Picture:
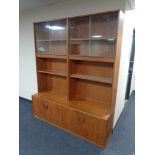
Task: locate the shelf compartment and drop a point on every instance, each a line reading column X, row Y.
column 53, row 73
column 79, row 47
column 55, row 65
column 79, row 27
column 48, row 82
column 91, row 58
column 104, row 25
column 90, row 90
column 97, row 109
column 93, row 71
column 94, row 78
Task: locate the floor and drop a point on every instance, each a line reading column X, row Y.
column 40, row 138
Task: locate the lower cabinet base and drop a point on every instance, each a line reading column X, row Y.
column 90, row 128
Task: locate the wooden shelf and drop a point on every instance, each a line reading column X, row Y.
column 91, row 58
column 97, row 109
column 53, row 96
column 94, row 39
column 94, row 78
column 53, row 73
column 51, row 56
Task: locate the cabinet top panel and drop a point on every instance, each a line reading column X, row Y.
column 89, row 14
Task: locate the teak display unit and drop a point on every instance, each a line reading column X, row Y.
column 77, row 63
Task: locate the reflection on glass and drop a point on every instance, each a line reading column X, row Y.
column 51, row 37
column 93, row 35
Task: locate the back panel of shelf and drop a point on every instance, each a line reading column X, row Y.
column 48, row 82
column 91, row 68
column 90, row 90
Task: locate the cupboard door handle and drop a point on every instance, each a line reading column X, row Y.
column 83, row 121
column 45, row 107
column 79, row 119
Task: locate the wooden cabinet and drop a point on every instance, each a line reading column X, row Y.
column 77, row 63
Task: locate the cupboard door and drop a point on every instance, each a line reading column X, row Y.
column 83, row 124
column 89, row 127
column 47, row 110
column 40, row 108
column 67, row 118
column 100, row 131
column 55, row 113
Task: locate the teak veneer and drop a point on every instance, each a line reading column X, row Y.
column 77, row 63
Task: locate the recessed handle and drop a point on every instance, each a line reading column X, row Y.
column 45, row 107
column 81, row 120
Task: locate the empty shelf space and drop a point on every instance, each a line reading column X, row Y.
column 53, row 73
column 91, row 58
column 92, row 107
column 92, row 78
column 53, row 96
column 51, row 56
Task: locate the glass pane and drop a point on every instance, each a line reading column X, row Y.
column 104, row 26
column 79, row 35
column 51, row 37
column 79, row 28
column 42, row 33
column 103, row 35
column 42, row 47
column 80, row 47
column 58, row 37
column 58, row 47
column 42, row 37
column 57, row 30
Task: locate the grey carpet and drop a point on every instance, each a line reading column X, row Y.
column 40, row 138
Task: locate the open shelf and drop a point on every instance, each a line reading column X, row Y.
column 94, row 78
column 39, row 55
column 53, row 73
column 53, row 96
column 92, row 107
column 91, row 58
